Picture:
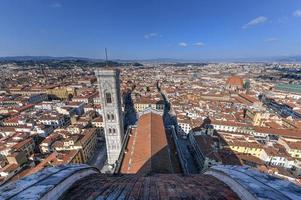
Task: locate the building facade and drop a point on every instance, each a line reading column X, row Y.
column 109, row 92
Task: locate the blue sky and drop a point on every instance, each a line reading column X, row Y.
column 144, row 29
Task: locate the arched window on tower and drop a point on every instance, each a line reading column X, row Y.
column 108, row 116
column 108, row 97
column 112, row 117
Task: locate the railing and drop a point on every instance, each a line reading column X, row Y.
column 200, row 157
column 183, row 161
column 121, row 155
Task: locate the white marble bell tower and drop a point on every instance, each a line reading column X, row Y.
column 109, row 92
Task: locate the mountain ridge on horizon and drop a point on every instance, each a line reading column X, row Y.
column 155, row 60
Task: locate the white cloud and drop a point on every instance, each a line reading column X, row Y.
column 151, row 35
column 183, row 44
column 297, row 13
column 199, row 44
column 254, row 22
column 56, row 5
column 272, row 39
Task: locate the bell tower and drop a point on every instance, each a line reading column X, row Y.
column 109, row 92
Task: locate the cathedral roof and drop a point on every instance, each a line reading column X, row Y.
column 147, row 149
column 156, row 186
column 84, row 182
column 235, row 81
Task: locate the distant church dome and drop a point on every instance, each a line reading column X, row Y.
column 235, row 82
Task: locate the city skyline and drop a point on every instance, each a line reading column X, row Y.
column 156, row 99
column 149, row 30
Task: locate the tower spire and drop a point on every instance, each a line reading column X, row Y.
column 106, row 57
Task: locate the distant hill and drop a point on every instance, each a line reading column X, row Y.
column 67, row 62
column 254, row 59
column 52, row 58
column 156, row 60
column 290, row 59
column 40, row 58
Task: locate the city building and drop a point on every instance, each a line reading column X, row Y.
column 235, row 83
column 148, row 148
column 291, row 88
column 109, row 91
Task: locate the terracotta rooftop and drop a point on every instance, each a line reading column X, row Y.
column 290, row 133
column 23, row 143
column 248, row 98
column 88, row 134
column 235, row 81
column 159, row 186
column 208, row 145
column 147, row 149
column 294, row 145
column 146, row 100
column 84, row 182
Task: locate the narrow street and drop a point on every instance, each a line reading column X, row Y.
column 130, row 115
column 100, row 156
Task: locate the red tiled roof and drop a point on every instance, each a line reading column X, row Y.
column 147, row 148
column 88, row 134
column 158, row 186
column 291, row 133
column 41, row 165
column 235, row 81
column 9, row 168
column 248, row 98
column 21, row 144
